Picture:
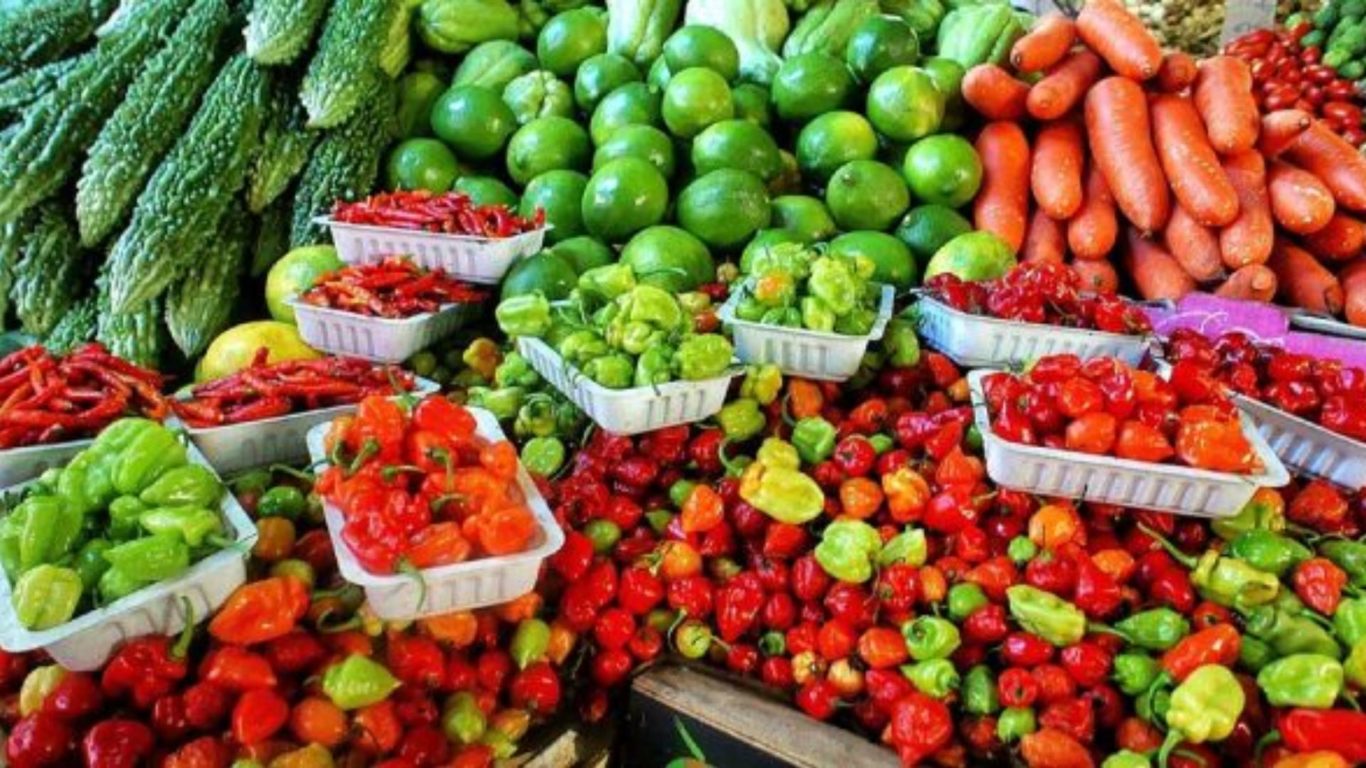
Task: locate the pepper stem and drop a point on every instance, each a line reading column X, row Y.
column 1269, row 738
column 408, row 569
column 393, row 470
column 1181, row 557
column 1174, row 739
column 367, row 449
column 726, row 462
column 182, row 644
column 297, row 474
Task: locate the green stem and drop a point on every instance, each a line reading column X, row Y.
column 1181, row 557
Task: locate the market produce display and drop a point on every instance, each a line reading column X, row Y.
column 393, row 288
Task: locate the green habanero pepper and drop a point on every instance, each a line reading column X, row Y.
column 649, row 304
column 1205, row 707
column 515, row 371
column 901, row 343
column 881, row 442
column 1046, row 615
column 694, row 302
column 614, row 371
column 151, row 558
column 1302, row 680
column 817, row 315
column 1015, row 723
column 46, row 596
column 116, row 583
column 935, row 678
column 1021, row 550
column 607, row 282
column 51, row 528
column 91, row 564
column 1156, row 629
column 462, row 719
column 1265, row 511
column 741, row 419
column 979, row 691
column 1288, row 633
column 543, row 455
column 529, row 642
column 524, row 315
column 1269, row 551
column 192, row 525
column 1223, row 580
column 908, row 547
column 680, row 491
column 1348, row 555
column 636, row 337
column 858, row 321
column 930, row 637
column 965, row 598
column 536, row 417
column 357, row 682
column 9, row 554
column 1134, row 672
column 151, row 454
column 750, row 309
column 502, row 403
column 281, row 501
column 1126, row 759
column 847, row 549
column 1153, row 706
column 655, row 366
column 703, row 356
column 123, row 517
column 253, row 481
column 762, row 382
column 789, row 258
column 814, row 439
column 788, row 317
column 191, row 485
column 1354, row 668
column 834, row 281
column 583, row 345
column 1254, row 654
column 1349, row 621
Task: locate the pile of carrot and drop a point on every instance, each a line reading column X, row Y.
column 1100, row 144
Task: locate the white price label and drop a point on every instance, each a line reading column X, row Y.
column 1243, row 16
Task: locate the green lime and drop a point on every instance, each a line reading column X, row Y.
column 972, row 256
column 766, row 238
column 878, row 44
column 569, row 39
column 294, row 273
column 737, row 144
column 538, row 94
column 943, row 169
column 585, row 252
column 630, row 104
column 695, row 99
column 546, row 144
column 696, row 45
column 417, row 92
column 947, row 75
column 601, row 75
column 904, row 104
column 421, row 164
column 832, row 140
column 643, row 141
column 810, row 84
column 623, row 197
column 560, row 194
column 751, row 103
column 805, row 215
column 547, row 272
column 926, row 228
column 485, row 190
column 724, row 208
column 473, row 120
column 866, row 194
column 669, row 258
column 892, row 260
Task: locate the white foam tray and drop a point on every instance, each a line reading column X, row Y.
column 628, row 411
column 88, row 640
column 462, row 586
column 232, row 448
column 978, row 341
column 801, row 352
column 1147, row 485
column 382, row 339
column 475, row 259
column 1307, row 447
column 20, row 464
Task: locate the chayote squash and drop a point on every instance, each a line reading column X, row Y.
column 757, row 27
column 923, row 16
column 827, row 27
column 538, row 94
column 494, row 64
column 637, row 29
column 456, row 26
column 977, row 34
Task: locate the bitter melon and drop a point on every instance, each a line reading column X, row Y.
column 142, row 128
column 285, row 144
column 47, row 277
column 137, row 335
column 11, row 247
column 345, row 71
column 40, row 31
column 279, row 30
column 191, row 189
column 199, row 304
column 39, row 158
column 28, row 86
column 76, row 327
column 272, row 236
column 343, row 166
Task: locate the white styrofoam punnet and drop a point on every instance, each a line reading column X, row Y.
column 465, row 257
column 20, row 464
column 628, row 411
column 801, row 352
column 280, row 440
column 87, row 641
column 978, row 341
column 471, row 584
column 1166, row 487
column 382, row 339
column 1307, row 447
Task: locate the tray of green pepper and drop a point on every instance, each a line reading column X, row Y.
column 136, row 535
column 624, row 352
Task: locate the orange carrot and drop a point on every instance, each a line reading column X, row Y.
column 1064, row 86
column 1299, row 201
column 1045, row 239
column 1280, row 129
column 1156, row 273
column 1092, row 233
column 1190, row 163
column 1055, row 175
column 1303, row 281
column 1096, row 275
column 1353, row 278
column 1341, row 240
column 1223, row 95
column 1002, row 204
column 1194, row 245
column 1248, row 239
column 1255, row 282
column 994, row 92
column 1177, row 72
column 1120, row 38
column 1326, row 155
column 1117, row 127
column 1045, row 45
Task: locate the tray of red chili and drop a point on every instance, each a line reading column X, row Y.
column 52, row 406
column 261, row 414
column 448, row 231
column 444, row 495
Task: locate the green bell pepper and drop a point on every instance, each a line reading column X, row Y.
column 357, row 682
column 91, row 563
column 635, row 337
column 847, row 549
column 279, row 501
column 51, row 527
column 762, row 382
column 1156, row 629
column 814, row 439
column 515, row 371
column 655, row 366
column 930, row 637
column 1269, row 551
column 908, row 547
column 1021, row 550
column 750, row 309
column 1135, row 672
column 979, row 691
column 964, row 599
column 123, row 517
column 817, row 315
column 935, row 678
column 543, row 455
column 524, row 315
column 741, row 419
column 1288, row 633
column 190, row 485
column 614, row 371
column 1046, row 615
column 151, row 558
column 192, row 525
column 1015, row 723
column 536, row 417
column 1354, row 668
column 46, row 596
column 1264, row 512
column 1254, row 653
column 703, row 356
column 1302, row 680
column 1205, row 707
column 116, row 583
column 783, row 317
column 153, row 452
column 901, row 343
column 607, row 282
column 834, row 281
column 583, row 345
column 1349, row 621
column 1348, row 555
column 856, row 322
column 656, row 306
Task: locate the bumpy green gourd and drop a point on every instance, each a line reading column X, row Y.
column 76, row 327
column 47, row 277
column 279, row 30
column 272, row 236
column 38, row 31
column 343, row 166
column 137, row 335
column 344, row 72
column 11, row 247
column 199, row 305
column 285, row 144
column 191, row 189
column 28, row 86
column 143, row 127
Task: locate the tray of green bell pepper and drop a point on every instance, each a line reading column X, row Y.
column 20, row 464
column 179, row 521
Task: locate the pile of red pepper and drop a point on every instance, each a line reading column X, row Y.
column 265, row 390
column 1040, row 292
column 423, row 490
column 1104, row 407
column 393, row 288
column 1318, row 389
column 449, row 213
column 47, row 399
